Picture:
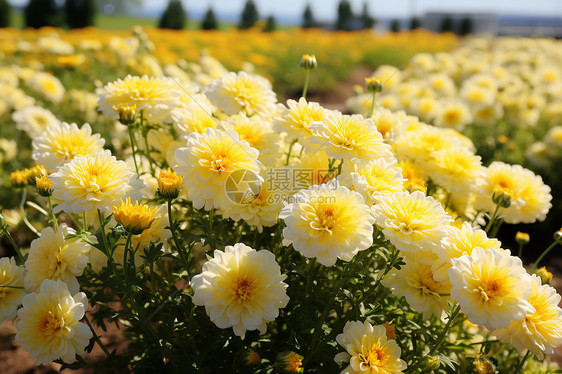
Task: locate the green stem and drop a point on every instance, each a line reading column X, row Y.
column 210, row 233
column 16, row 247
column 519, row 368
column 131, row 137
column 145, row 137
column 173, row 226
column 520, row 253
column 389, row 267
column 84, row 222
column 24, row 215
column 290, row 150
column 546, row 251
column 125, row 255
column 96, row 337
column 372, row 109
column 306, row 79
column 53, row 216
column 108, row 252
column 492, row 219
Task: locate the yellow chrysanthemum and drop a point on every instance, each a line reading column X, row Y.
column 296, row 119
column 48, row 86
column 350, row 137
column 491, row 286
column 387, row 123
column 327, row 222
column 134, row 217
column 196, row 116
column 541, row 330
column 416, row 282
column 452, row 114
column 51, row 256
column 241, row 288
column 368, row 350
column 11, row 288
column 155, row 96
column 411, row 221
column 34, row 120
column 62, row 142
column 169, row 184
column 462, row 241
column 530, row 197
column 241, row 92
column 94, row 182
column 456, row 169
column 207, row 162
column 49, row 323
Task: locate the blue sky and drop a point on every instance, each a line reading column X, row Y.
column 326, row 9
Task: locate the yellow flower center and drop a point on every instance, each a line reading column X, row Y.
column 52, row 325
column 373, row 356
column 326, row 217
column 56, row 265
column 244, row 289
column 490, row 289
column 220, row 163
column 452, row 117
column 430, row 285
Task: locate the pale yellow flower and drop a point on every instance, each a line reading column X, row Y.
column 134, row 217
column 51, row 256
column 349, row 137
column 48, row 86
column 94, row 182
column 462, row 241
column 456, row 169
column 34, row 120
column 327, row 222
column 491, row 286
column 49, row 323
column 296, row 119
column 62, row 142
column 196, row 116
column 452, row 114
column 207, row 162
column 241, row 92
column 11, row 277
column 241, row 288
column 541, row 330
column 368, row 350
column 411, row 221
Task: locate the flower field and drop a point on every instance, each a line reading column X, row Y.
column 180, row 188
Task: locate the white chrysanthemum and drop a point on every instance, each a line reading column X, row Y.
column 61, row 143
column 196, row 116
column 296, row 119
column 462, row 241
column 417, row 283
column 53, row 44
column 372, row 178
column 411, row 221
column 11, row 277
column 389, row 124
column 554, row 137
column 155, row 96
column 327, row 222
column 350, row 137
column 530, row 197
column 94, row 182
column 476, row 95
column 456, row 169
column 49, row 323
column 491, row 286
column 241, row 288
column 259, row 135
column 51, row 256
column 241, row 92
column 207, row 162
column 540, row 331
column 48, row 86
column 34, row 120
column 368, row 350
column 452, row 114
column 15, row 97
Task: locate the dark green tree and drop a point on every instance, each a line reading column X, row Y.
column 395, row 25
column 415, row 23
column 174, row 16
column 5, row 13
column 210, row 21
column 447, row 25
column 39, row 13
column 345, row 16
column 80, row 13
column 270, row 24
column 249, row 15
column 367, row 21
column 466, row 26
column 308, row 21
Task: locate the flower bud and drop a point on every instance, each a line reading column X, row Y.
column 19, row 177
column 431, row 363
column 502, row 199
column 127, row 114
column 34, row 172
column 522, row 238
column 308, row 62
column 289, row 362
column 373, row 84
column 484, row 366
column 558, row 235
column 135, row 218
column 43, row 186
column 169, row 184
column 545, row 275
column 390, row 333
column 252, row 358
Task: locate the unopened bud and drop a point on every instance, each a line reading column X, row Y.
column 19, row 177
column 252, row 358
column 373, row 84
column 390, row 333
column 522, row 238
column 289, row 362
column 545, row 275
column 169, row 184
column 558, row 235
column 482, row 365
column 43, row 186
column 431, row 363
column 127, row 114
column 502, row 199
column 34, row 172
column 308, row 62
